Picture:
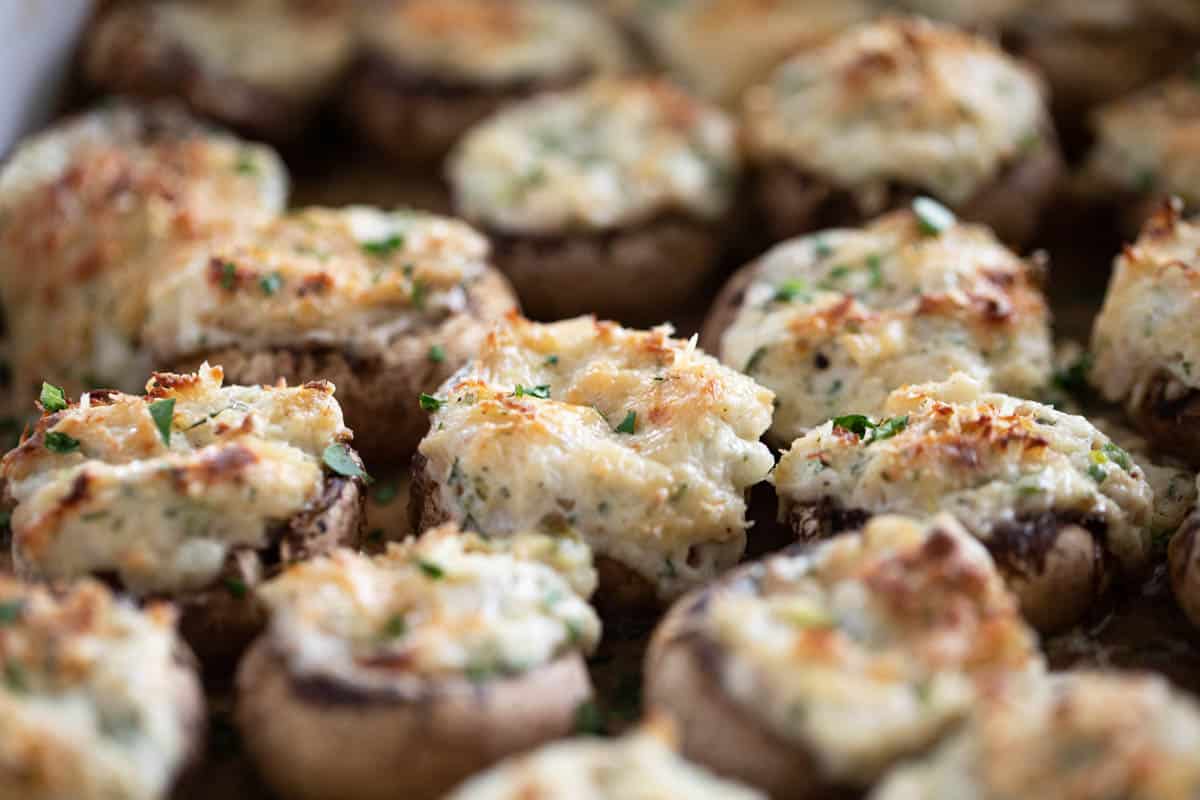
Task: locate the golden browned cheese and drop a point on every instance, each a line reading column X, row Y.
column 870, row 646
column 158, row 488
column 91, row 212
column 93, row 700
column 1073, row 736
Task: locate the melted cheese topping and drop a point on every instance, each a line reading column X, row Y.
column 639, row 766
column 719, row 47
column 1147, row 326
column 444, row 605
column 610, row 153
column 100, row 205
column 356, row 278
column 484, row 42
column 112, row 495
column 835, row 321
column 868, row 647
column 902, row 101
column 270, row 44
column 989, row 459
column 639, row 441
column 1076, row 736
column 88, row 700
column 1150, row 141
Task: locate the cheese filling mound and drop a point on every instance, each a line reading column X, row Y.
column 988, row 459
column 640, row 766
column 1149, row 142
column 720, row 47
column 447, row 605
column 1077, row 735
column 482, row 42
column 92, row 211
column 273, row 45
column 358, row 279
column 160, row 488
column 613, row 152
column 834, row 321
column 1146, row 329
column 640, row 442
column 90, row 696
column 900, row 101
column 868, row 647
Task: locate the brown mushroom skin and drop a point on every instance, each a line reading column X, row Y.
column 1168, row 414
column 1183, row 559
column 1057, row 567
column 793, row 202
column 323, row 741
column 683, row 679
column 379, row 400
column 638, row 274
column 413, row 116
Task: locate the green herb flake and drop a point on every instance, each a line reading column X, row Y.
column 395, row 627
column 436, row 354
column 11, row 610
column 589, row 719
column 431, row 570
column 629, row 424
column 53, row 398
column 790, row 290
column 875, row 268
column 340, row 460
column 1118, row 456
column 933, row 218
column 384, row 247
column 61, row 443
column 858, row 424
column 1097, row 473
column 889, row 428
column 418, row 293
column 237, row 587
column 541, row 391
column 229, row 276
column 1074, row 378
column 430, row 403
column 245, row 164
column 163, row 413
column 551, row 360
column 271, row 283
column 755, row 359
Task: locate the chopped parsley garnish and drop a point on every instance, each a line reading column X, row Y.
column 383, row 247
column 339, row 459
column 237, row 587
column 229, row 276
column 395, row 627
column 61, row 443
column 932, row 217
column 875, row 267
column 790, row 290
column 1118, row 456
column 755, row 359
column 430, row 403
column 589, row 719
column 245, row 164
column 436, row 354
column 862, row 427
column 629, row 424
column 551, row 360
column 10, row 611
column 270, row 284
column 1074, row 378
column 385, row 493
column 163, row 412
column 541, row 391
column 1097, row 473
column 431, row 570
column 53, row 398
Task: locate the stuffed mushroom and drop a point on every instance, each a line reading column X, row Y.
column 834, row 321
column 402, row 674
column 260, row 66
column 194, row 492
column 610, row 198
column 1062, row 508
column 891, row 109
column 91, row 211
column 1078, row 735
column 717, row 48
column 639, row 442
column 1145, row 343
column 810, row 673
column 99, row 700
column 385, row 304
column 429, row 69
column 640, row 764
column 1147, row 146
